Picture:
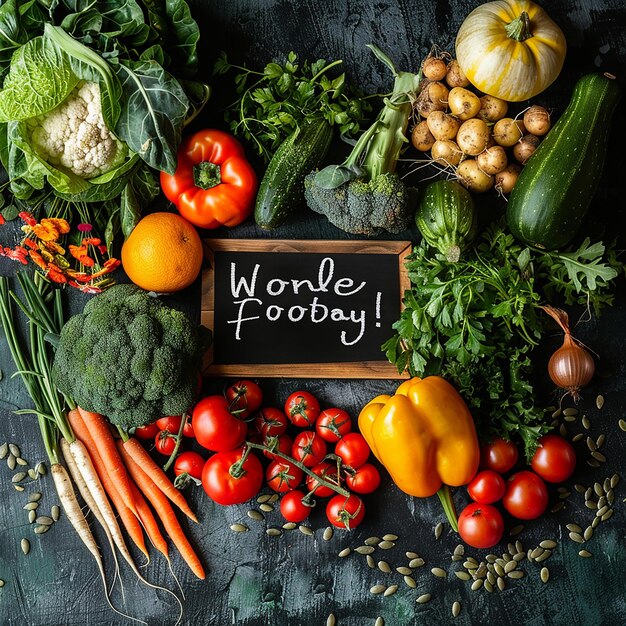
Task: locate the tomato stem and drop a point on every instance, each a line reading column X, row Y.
column 207, row 175
column 448, row 506
column 178, row 438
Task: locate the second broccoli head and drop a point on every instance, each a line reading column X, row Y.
column 130, row 357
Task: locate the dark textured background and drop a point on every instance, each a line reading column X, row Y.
column 297, row 580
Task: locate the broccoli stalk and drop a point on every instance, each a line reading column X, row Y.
column 364, row 195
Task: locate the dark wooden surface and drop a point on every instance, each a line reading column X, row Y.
column 296, row 580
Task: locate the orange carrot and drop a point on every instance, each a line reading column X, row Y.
column 141, row 457
column 100, row 433
column 164, row 510
column 149, row 522
column 130, row 521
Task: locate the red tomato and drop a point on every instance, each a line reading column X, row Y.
column 481, row 525
column 326, row 471
column 292, row 508
column 345, row 512
column 215, row 427
column 172, row 424
column 554, row 459
column 270, row 421
column 149, row 431
column 498, row 455
column 526, row 495
column 365, row 479
column 224, row 488
column 353, row 450
column 282, row 443
column 486, row 487
column 302, row 408
column 333, row 424
column 245, row 397
column 308, row 448
column 282, row 476
column 165, row 442
column 189, row 463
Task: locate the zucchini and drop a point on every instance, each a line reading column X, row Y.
column 446, row 218
column 553, row 192
column 281, row 192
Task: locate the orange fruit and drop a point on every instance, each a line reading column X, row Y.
column 163, row 253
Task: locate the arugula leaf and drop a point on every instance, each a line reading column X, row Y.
column 584, row 266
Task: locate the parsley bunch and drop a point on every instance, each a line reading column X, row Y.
column 477, row 321
column 272, row 103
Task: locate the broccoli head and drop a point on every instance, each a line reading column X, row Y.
column 130, row 357
column 365, row 207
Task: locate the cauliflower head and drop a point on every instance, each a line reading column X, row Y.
column 130, row 357
column 75, row 136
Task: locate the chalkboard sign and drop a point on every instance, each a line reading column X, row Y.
column 316, row 309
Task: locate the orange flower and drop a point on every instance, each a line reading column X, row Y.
column 77, row 251
column 2, row 220
column 52, row 246
column 37, row 259
column 27, row 218
column 58, row 223
column 17, row 254
column 56, row 276
column 31, row 243
column 92, row 241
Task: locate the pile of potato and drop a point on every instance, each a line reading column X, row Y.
column 470, row 134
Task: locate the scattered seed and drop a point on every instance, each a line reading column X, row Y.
column 570, row 411
column 600, row 402
column 606, row 484
column 239, row 528
column 477, row 584
column 19, row 477
column 520, row 556
column 30, row 506
column 548, row 544
column 535, row 552
column 31, row 516
column 542, row 557
column 372, row 541
column 390, row 537
column 591, row 444
column 255, row 515
column 383, row 566
column 328, row 533
column 516, row 530
column 44, row 520
column 600, row 512
column 456, row 609
column 557, row 507
column 488, row 586
column 570, row 418
column 370, row 561
column 439, row 572
column 417, row 562
column 602, row 502
column 273, row 498
column 459, row 550
column 377, row 589
column 491, row 558
column 577, row 437
column 1, row 583
column 511, row 549
column 610, row 496
column 565, row 494
column 289, row 525
column 595, row 521
column 456, row 558
column 544, row 574
column 600, row 440
column 18, row 488
column 470, row 565
column 20, row 461
column 379, row 622
column 588, row 493
column 614, row 480
column 306, row 530
column 41, row 469
column 412, row 555
column 606, row 516
column 405, row 571
column 11, row 462
column 481, row 572
column 364, row 550
column 266, row 508
column 274, row 532
column 386, row 545
column 516, row 574
column 598, row 456
column 14, row 450
column 591, row 504
column 575, row 528
column 410, row 582
column 262, row 499
column 557, row 414
column 330, row 620
column 622, row 424
column 585, row 553
column 34, row 497
column 510, row 567
column 577, row 537
column 585, row 422
column 563, row 430
column 25, row 545
column 499, row 570
column 462, row 575
column 4, row 450
column 593, row 462
column 588, row 533
column 32, row 474
column 424, row 598
column 438, row 530
column 345, row 552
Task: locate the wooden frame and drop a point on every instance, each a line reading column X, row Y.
column 366, row 369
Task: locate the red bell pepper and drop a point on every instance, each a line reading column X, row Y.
column 214, row 185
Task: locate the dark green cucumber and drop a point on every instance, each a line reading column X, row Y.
column 281, row 192
column 553, row 192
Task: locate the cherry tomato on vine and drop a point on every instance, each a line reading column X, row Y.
column 302, row 408
column 308, row 448
column 328, row 472
column 244, row 397
column 333, row 424
column 481, row 525
column 526, row 495
column 292, row 508
column 270, row 421
column 498, row 455
column 486, row 487
column 149, row 431
column 165, row 442
column 215, row 427
column 227, row 481
column 345, row 512
column 172, row 424
column 282, row 476
column 353, row 450
column 282, row 443
column 554, row 459
column 365, row 479
column 189, row 463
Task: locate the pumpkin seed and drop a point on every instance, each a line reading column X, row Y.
column 577, row 537
column 591, row 444
column 520, row 556
column 273, row 498
column 15, row 450
column 306, row 530
column 585, row 554
column 377, row 589
column 491, row 558
column 557, row 507
column 410, row 582
column 379, row 622
column 456, row 609
column 11, row 462
column 19, row 477
column 498, row 569
column 600, row 512
column 4, row 450
column 262, row 499
column 577, row 437
column 548, row 544
column 563, row 430
column 20, row 461
column 18, row 488
column 542, row 557
column 370, row 561
column 518, row 547
column 598, row 456
column 501, row 583
column 491, row 578
column 31, row 516
column 481, row 572
column 273, row 532
column 595, row 521
column 266, row 508
column 510, row 567
column 622, row 424
column 570, row 418
column 591, row 504
column 383, row 566
column 477, row 584
column 439, row 572
column 600, row 440
column 462, row 575
column 488, row 586
column 516, row 574
column 255, row 515
column 516, row 530
column 599, row 402
column 438, row 530
column 459, row 550
column 34, row 497
column 570, row 411
column 610, row 496
column 456, row 558
column 606, row 484
column 417, row 562
column 32, row 474
column 390, row 537
column 289, row 525
column 330, row 620
column 44, row 520
column 607, row 515
column 470, row 565
column 405, row 571
column 575, row 528
column 412, row 555
column 424, row 598
column 345, row 552
column 1, row 583
column 565, row 494
column 601, row 502
column 25, row 545
column 588, row 533
column 585, row 422
column 30, row 506
column 328, row 532
column 557, row 414
column 614, row 480
column 544, row 574
column 239, row 528
column 386, row 545
column 372, row 541
column 364, row 550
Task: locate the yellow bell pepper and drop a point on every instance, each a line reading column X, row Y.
column 425, row 437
